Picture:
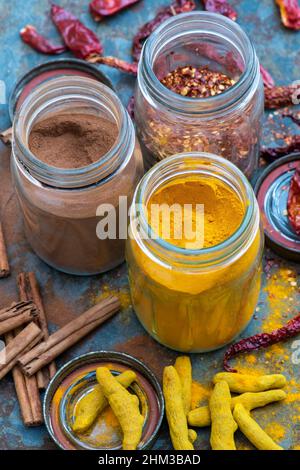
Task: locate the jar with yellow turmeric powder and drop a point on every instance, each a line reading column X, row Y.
column 195, row 289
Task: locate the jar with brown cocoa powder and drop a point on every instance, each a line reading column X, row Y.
column 199, row 89
column 75, row 154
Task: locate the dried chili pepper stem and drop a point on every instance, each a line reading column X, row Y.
column 261, row 340
column 114, row 62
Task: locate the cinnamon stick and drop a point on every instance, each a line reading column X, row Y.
column 16, row 315
column 27, row 394
column 43, row 324
column 4, row 265
column 23, row 342
column 68, row 335
column 28, row 290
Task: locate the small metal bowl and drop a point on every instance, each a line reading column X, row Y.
column 76, row 379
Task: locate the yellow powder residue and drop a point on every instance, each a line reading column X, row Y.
column 281, row 289
column 251, row 359
column 122, row 294
column 276, row 431
column 200, row 394
column 223, row 211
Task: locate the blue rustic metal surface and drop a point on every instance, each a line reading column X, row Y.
column 66, row 296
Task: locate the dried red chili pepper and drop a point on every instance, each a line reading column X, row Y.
column 220, row 6
column 38, row 42
column 261, row 340
column 102, row 8
column 290, row 13
column 82, row 41
column 116, row 63
column 267, row 78
column 293, row 205
column 130, row 107
column 176, row 7
column 272, row 153
column 279, row 96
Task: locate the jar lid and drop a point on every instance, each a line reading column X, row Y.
column 271, row 189
column 47, row 71
column 76, row 379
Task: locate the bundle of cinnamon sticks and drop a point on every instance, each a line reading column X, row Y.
column 30, row 350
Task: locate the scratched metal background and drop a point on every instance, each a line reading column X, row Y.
column 66, row 296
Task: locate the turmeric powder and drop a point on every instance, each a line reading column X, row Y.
column 176, row 416
column 249, row 427
column 184, row 370
column 125, row 406
column 186, row 302
column 91, row 405
column 223, row 426
column 200, row 417
column 240, row 383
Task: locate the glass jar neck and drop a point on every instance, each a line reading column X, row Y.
column 186, row 165
column 64, row 95
column 199, row 39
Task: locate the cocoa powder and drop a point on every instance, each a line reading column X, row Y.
column 72, row 140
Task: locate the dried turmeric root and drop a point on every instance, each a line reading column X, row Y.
column 91, row 405
column 184, row 370
column 125, row 406
column 249, row 427
column 240, row 383
column 175, row 411
column 200, row 417
column 192, row 435
column 223, row 426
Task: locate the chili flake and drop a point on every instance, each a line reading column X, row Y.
column 292, row 144
column 279, row 96
column 197, row 82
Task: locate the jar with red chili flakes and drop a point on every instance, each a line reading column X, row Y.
column 199, row 89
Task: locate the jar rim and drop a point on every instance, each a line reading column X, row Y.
column 189, row 105
column 73, row 177
column 216, row 254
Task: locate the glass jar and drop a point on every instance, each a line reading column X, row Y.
column 227, row 124
column 194, row 300
column 60, row 205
